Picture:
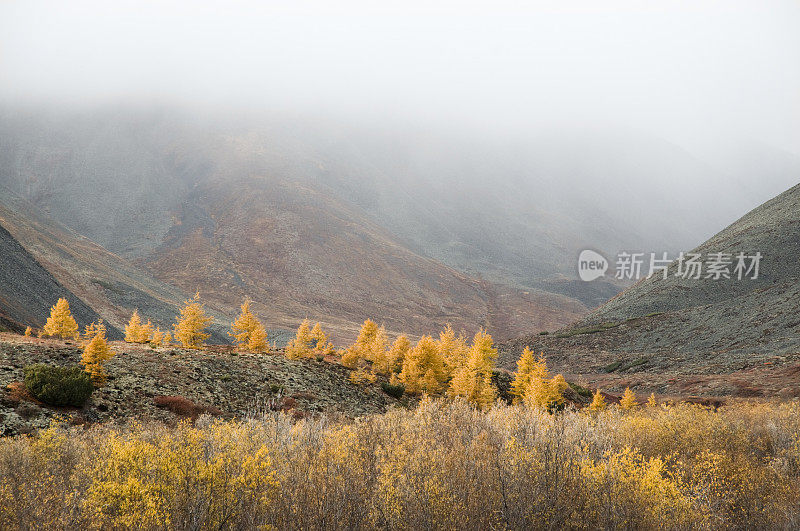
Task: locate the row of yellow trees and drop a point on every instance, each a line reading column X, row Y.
column 189, row 328
column 448, row 365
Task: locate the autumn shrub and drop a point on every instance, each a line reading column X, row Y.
column 58, row 386
column 184, row 407
column 444, row 465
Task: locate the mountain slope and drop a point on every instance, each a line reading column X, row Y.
column 239, row 211
column 109, row 286
column 28, row 290
column 748, row 314
column 700, row 336
column 300, row 252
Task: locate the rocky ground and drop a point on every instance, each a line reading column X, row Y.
column 217, row 381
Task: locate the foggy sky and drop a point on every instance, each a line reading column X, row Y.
column 687, row 70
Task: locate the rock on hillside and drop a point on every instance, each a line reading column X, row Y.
column 218, row 381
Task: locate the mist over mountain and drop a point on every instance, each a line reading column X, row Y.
column 342, row 222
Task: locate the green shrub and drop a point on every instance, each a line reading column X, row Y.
column 544, row 333
column 59, row 386
column 393, row 390
column 584, row 392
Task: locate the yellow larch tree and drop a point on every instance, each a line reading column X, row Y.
column 258, row 341
column 598, row 402
column 96, row 352
column 61, row 323
column 360, row 350
column 628, row 401
column 248, row 331
column 423, row 368
column 157, row 337
column 322, row 347
column 651, row 400
column 557, row 387
column 28, row 331
column 145, row 333
column 473, row 379
column 133, row 329
column 525, row 367
column 533, row 385
column 397, row 353
column 453, row 349
column 167, row 339
column 191, row 324
column 300, row 346
column 378, row 354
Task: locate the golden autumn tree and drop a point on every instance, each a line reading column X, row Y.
column 557, row 387
column 598, row 402
column 397, row 354
column 453, row 349
column 424, row 370
column 28, row 331
column 300, row 346
column 133, row 330
column 157, row 337
column 628, row 401
column 145, row 332
column 322, row 347
column 191, row 324
column 526, row 365
column 248, row 331
column 651, row 400
column 61, row 323
column 360, row 350
column 533, row 385
column 473, row 380
column 96, row 352
column 258, row 341
column 378, row 352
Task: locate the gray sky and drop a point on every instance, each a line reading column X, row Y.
column 682, row 69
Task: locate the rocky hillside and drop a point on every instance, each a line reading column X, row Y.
column 108, row 284
column 217, row 382
column 725, row 336
column 28, row 290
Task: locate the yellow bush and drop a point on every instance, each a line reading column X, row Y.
column 443, row 465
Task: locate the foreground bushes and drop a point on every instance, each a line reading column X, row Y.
column 444, row 465
column 59, row 386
